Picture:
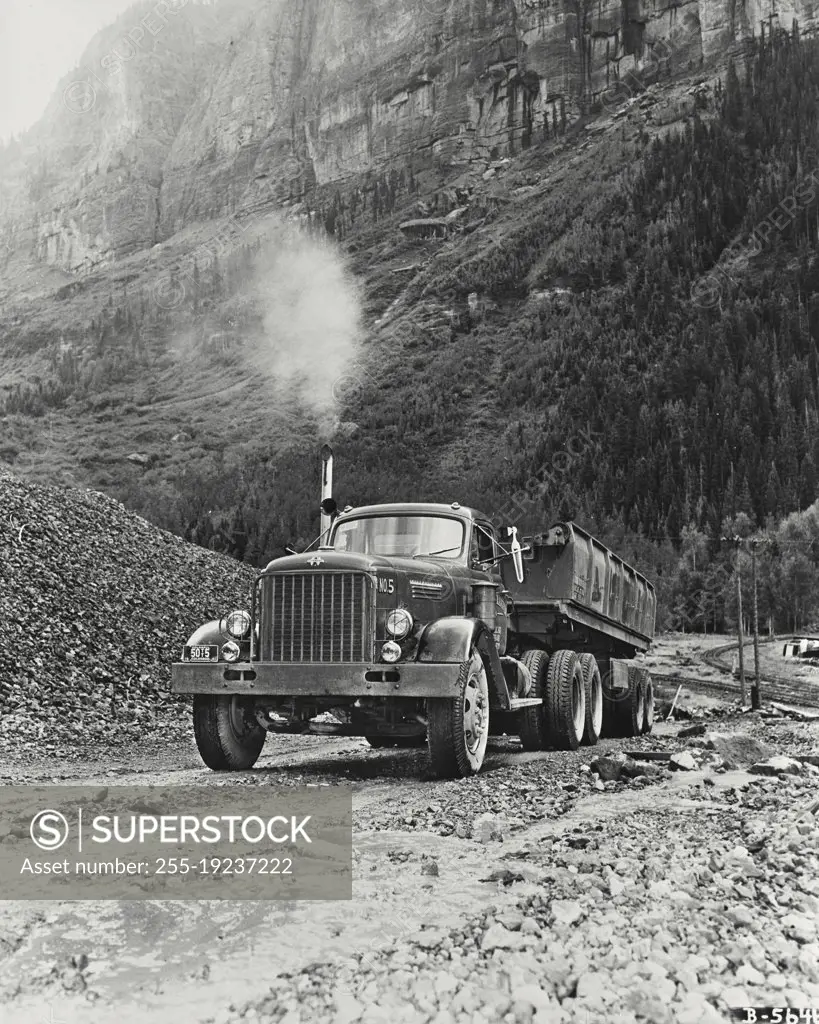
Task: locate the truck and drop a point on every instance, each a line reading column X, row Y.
column 425, row 624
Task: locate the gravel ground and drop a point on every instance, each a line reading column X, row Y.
column 557, row 895
column 675, row 906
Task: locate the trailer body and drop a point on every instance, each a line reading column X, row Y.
column 571, row 572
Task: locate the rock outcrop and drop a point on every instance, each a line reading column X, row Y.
column 181, row 112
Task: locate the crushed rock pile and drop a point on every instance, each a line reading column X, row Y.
column 95, row 605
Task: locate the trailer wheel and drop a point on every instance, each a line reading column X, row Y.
column 630, row 711
column 648, row 720
column 565, row 701
column 227, row 734
column 533, row 728
column 458, row 727
column 593, row 686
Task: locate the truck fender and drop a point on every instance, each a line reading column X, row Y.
column 209, row 633
column 450, row 639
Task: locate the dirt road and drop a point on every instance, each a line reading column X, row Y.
column 551, row 838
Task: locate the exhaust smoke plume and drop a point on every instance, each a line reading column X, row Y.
column 312, row 319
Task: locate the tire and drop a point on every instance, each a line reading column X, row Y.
column 458, row 727
column 648, row 717
column 593, row 688
column 631, row 709
column 565, row 701
column 227, row 734
column 534, row 731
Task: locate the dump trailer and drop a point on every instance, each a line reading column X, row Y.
column 578, row 598
column 422, row 624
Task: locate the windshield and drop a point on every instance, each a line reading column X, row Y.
column 401, row 535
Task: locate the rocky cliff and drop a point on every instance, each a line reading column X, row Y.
column 181, row 112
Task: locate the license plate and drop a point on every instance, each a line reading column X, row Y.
column 202, row 652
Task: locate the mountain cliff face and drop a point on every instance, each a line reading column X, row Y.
column 196, row 111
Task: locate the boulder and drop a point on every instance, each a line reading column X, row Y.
column 737, row 748
column 692, row 730
column 498, row 937
column 777, row 766
column 487, row 828
column 566, row 911
column 634, row 769
column 608, row 768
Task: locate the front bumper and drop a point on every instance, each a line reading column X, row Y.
column 310, row 679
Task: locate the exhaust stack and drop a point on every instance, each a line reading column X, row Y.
column 328, row 505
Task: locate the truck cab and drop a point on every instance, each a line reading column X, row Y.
column 398, row 616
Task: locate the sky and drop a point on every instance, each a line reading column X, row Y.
column 40, row 41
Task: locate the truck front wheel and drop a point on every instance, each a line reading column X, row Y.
column 227, row 734
column 565, row 701
column 458, row 727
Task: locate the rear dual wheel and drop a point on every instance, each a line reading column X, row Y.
column 632, row 714
column 593, row 687
column 565, row 701
column 648, row 706
column 534, row 731
column 634, row 708
column 561, row 725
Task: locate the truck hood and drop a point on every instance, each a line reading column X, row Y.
column 328, row 560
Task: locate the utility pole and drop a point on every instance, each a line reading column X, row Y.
column 736, row 541
column 755, row 697
column 742, row 689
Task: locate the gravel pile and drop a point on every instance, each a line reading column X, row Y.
column 95, row 604
column 672, row 913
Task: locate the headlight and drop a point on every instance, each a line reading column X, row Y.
column 399, row 623
column 391, row 651
column 230, row 651
column 238, row 624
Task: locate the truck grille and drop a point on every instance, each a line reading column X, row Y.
column 322, row 616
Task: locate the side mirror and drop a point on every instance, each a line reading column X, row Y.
column 329, row 506
column 517, row 553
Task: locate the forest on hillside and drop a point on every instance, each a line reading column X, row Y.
column 673, row 402
column 667, row 399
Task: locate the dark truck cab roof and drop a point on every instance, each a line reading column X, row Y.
column 413, row 508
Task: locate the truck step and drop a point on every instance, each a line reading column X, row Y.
column 516, row 703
